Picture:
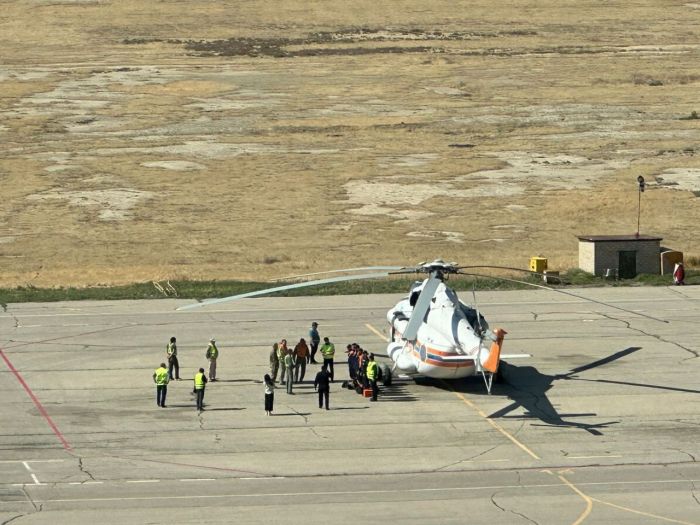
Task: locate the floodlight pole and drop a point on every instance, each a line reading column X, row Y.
column 640, row 180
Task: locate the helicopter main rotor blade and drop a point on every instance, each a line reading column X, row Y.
column 420, row 309
column 601, row 362
column 268, row 291
column 523, row 270
column 363, row 269
column 557, row 290
column 478, row 314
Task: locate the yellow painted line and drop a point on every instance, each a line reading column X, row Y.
column 587, row 499
column 641, row 513
column 497, row 426
column 589, row 504
column 377, row 332
column 473, row 406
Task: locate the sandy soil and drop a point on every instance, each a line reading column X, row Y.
column 211, row 140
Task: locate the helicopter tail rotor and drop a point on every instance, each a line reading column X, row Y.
column 494, row 358
column 489, row 366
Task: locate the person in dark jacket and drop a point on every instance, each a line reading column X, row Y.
column 314, row 340
column 173, row 363
column 322, row 383
column 350, row 350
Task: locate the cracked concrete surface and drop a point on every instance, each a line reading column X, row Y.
column 416, row 452
column 83, row 470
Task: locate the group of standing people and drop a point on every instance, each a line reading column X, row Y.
column 363, row 369
column 286, row 361
column 290, row 363
column 162, row 375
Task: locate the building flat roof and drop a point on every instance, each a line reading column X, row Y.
column 618, row 238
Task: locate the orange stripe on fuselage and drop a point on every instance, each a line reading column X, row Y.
column 447, row 364
column 444, row 364
column 433, row 362
column 435, row 350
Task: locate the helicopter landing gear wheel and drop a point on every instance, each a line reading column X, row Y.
column 385, row 373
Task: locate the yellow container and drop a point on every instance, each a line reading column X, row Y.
column 538, row 264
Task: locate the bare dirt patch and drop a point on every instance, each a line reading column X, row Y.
column 250, row 140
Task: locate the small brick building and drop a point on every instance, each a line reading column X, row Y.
column 621, row 255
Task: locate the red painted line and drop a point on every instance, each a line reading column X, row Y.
column 38, row 404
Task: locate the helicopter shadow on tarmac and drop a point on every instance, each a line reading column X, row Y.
column 397, row 391
column 526, row 387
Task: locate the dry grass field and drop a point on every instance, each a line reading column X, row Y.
column 245, row 139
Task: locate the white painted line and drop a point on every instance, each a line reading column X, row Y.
column 198, row 479
column 483, row 460
column 25, row 462
column 142, row 480
column 26, row 466
column 591, row 457
column 36, row 480
column 360, row 492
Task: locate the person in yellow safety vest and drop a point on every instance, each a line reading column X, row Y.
column 281, row 354
column 212, row 354
column 372, row 376
column 171, row 352
column 161, row 379
column 328, row 352
column 200, row 381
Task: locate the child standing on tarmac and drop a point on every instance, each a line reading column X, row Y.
column 269, row 394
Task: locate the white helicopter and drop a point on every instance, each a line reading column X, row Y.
column 433, row 333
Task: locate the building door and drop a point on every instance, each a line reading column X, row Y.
column 627, row 264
